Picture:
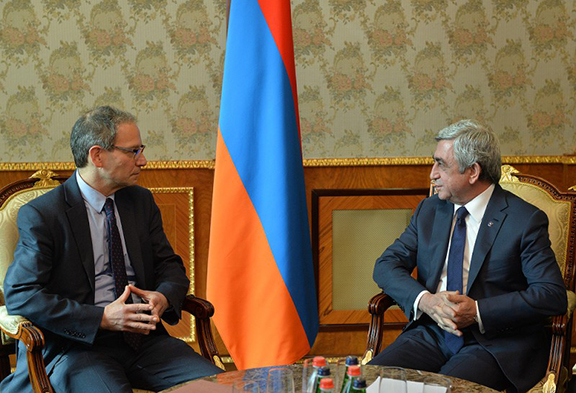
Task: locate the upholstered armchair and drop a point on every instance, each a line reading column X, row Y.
column 560, row 207
column 14, row 327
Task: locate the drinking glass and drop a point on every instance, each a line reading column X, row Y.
column 338, row 371
column 307, row 370
column 393, row 379
column 246, row 387
column 436, row 384
column 280, row 380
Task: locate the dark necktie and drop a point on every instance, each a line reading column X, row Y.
column 116, row 258
column 455, row 261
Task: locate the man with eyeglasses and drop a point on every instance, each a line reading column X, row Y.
column 94, row 270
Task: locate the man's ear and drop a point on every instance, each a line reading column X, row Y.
column 95, row 155
column 475, row 171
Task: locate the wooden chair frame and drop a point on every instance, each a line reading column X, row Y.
column 19, row 328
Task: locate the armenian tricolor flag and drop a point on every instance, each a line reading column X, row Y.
column 260, row 273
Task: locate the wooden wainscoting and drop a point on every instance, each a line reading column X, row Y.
column 350, row 229
column 334, row 184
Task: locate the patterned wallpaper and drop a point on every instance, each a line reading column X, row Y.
column 376, row 78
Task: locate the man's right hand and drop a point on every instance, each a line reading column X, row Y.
column 132, row 317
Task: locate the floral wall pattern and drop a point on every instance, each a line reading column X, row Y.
column 376, row 78
column 159, row 59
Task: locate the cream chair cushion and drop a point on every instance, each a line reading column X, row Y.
column 558, row 213
column 9, row 229
column 9, row 239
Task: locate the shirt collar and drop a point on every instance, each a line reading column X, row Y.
column 90, row 195
column 477, row 206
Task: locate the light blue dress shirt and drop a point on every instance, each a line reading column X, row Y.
column 104, row 281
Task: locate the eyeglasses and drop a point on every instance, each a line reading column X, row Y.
column 137, row 151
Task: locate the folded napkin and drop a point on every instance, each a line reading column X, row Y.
column 391, row 386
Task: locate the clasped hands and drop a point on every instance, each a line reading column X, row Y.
column 450, row 310
column 134, row 317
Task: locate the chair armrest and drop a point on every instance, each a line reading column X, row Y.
column 23, row 330
column 571, row 302
column 556, row 377
column 203, row 310
column 376, row 307
column 556, row 370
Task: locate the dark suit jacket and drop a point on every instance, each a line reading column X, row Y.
column 51, row 281
column 513, row 276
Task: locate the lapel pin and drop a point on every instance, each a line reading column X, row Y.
column 490, row 223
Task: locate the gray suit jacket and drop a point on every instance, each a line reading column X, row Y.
column 51, row 281
column 513, row 276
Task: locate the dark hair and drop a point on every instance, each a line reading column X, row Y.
column 474, row 143
column 96, row 127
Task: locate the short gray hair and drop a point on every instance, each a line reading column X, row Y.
column 96, row 127
column 474, row 143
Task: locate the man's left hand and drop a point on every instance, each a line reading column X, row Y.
column 157, row 300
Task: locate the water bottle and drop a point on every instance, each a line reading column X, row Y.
column 353, row 374
column 350, row 361
column 326, row 385
column 317, row 362
column 358, row 386
column 323, row 373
